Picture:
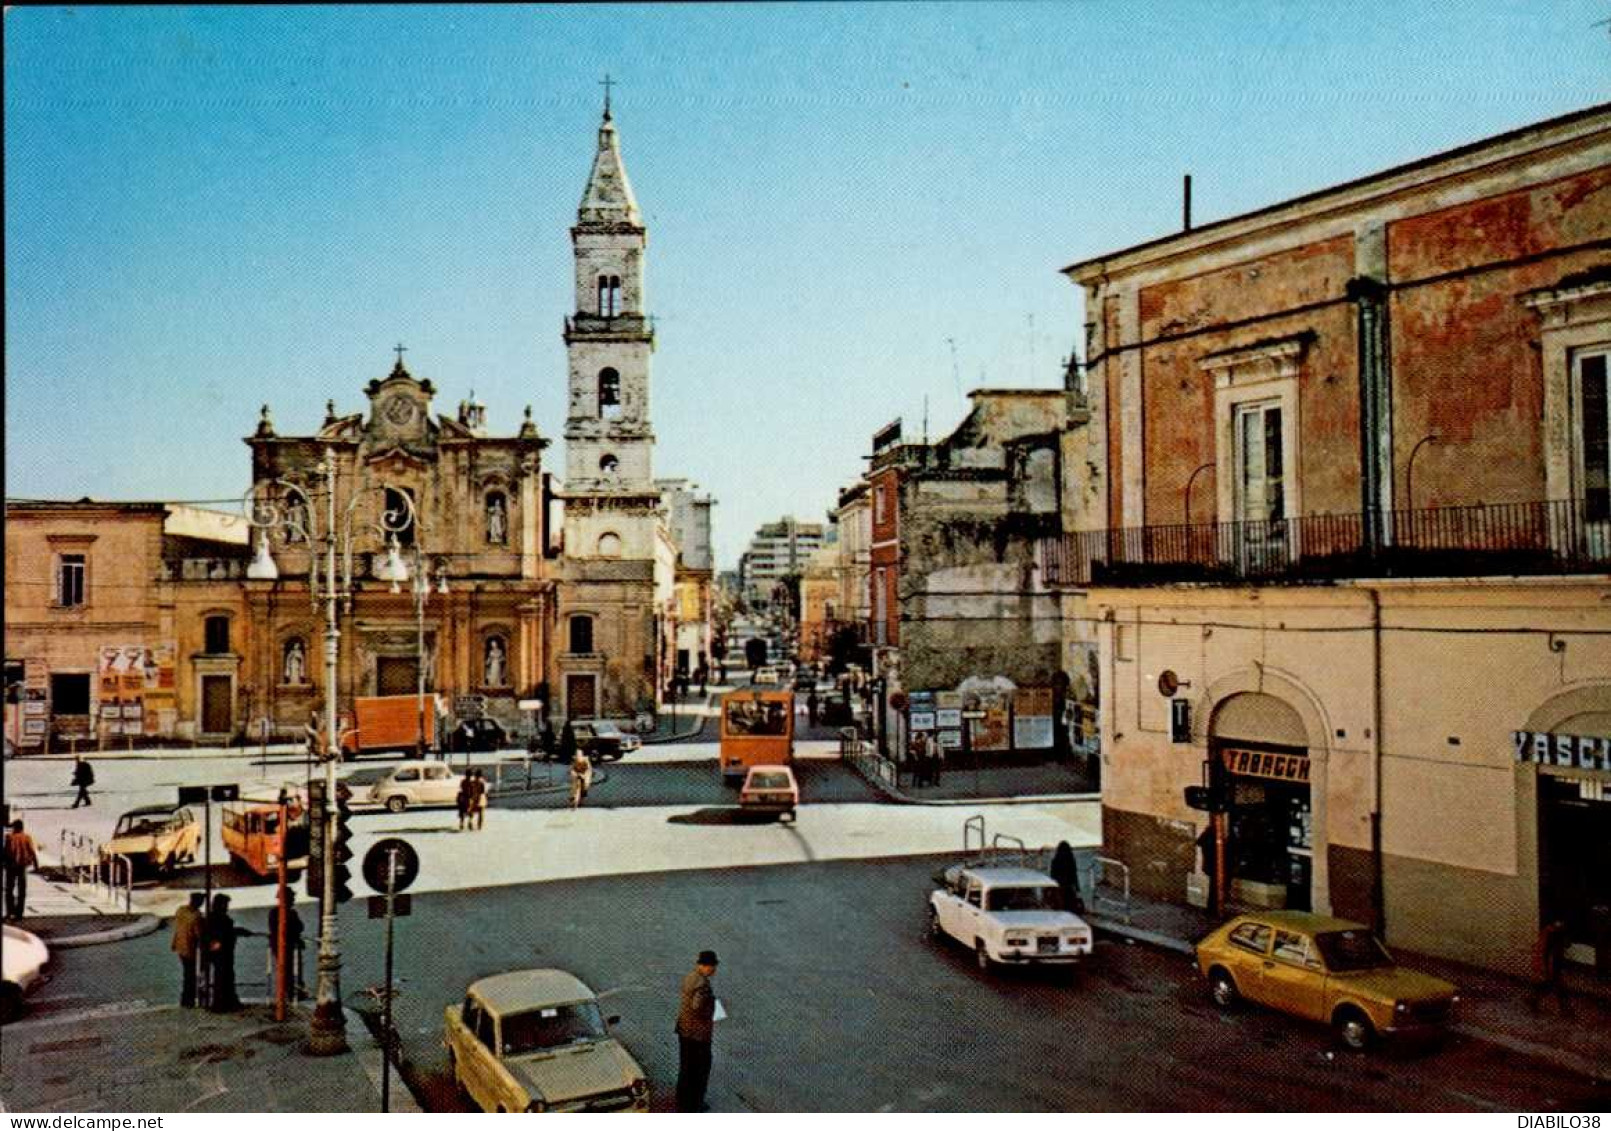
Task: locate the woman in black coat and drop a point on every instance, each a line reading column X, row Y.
column 221, row 935
column 1066, row 872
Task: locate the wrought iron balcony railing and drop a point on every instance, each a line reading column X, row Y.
column 1483, row 540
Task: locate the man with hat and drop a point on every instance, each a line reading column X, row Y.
column 696, row 1021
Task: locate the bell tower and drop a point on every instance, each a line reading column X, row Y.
column 609, row 443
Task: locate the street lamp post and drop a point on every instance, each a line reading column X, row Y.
column 327, row 1031
column 423, row 582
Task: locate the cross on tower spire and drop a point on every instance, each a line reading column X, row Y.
column 607, row 83
column 399, row 349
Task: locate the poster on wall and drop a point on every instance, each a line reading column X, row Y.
column 951, row 739
column 1084, row 692
column 949, row 718
column 922, row 720
column 992, row 732
column 1032, row 718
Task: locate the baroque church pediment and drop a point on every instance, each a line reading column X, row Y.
column 396, row 459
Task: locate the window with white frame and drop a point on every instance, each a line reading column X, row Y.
column 70, row 573
column 1260, row 466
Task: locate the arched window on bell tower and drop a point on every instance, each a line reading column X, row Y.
column 609, row 296
column 609, row 393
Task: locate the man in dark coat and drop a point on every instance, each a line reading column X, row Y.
column 187, row 944
column 1066, row 872
column 293, row 945
column 83, row 778
column 221, row 935
column 696, row 1023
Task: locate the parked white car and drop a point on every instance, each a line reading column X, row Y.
column 1008, row 915
column 416, row 783
column 23, row 957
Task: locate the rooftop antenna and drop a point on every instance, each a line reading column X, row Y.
column 1031, row 380
column 1185, row 204
column 925, row 420
column 956, row 373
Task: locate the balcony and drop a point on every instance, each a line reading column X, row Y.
column 1504, row 539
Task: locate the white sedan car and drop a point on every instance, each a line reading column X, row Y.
column 416, row 783
column 23, row 958
column 1008, row 915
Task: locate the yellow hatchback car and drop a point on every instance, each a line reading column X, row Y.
column 535, row 1040
column 1323, row 969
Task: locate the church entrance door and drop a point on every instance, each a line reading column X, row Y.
column 581, row 696
column 396, row 675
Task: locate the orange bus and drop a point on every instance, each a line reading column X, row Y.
column 757, row 730
column 251, row 832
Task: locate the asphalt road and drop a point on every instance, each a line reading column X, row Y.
column 838, row 1001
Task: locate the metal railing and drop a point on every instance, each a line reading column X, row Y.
column 1107, row 877
column 1531, row 538
column 111, row 865
column 79, row 856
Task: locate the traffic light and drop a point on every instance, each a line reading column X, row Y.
column 316, row 819
column 341, row 851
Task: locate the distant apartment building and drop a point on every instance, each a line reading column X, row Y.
column 778, row 550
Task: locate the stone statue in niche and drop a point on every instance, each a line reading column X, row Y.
column 296, row 519
column 296, row 665
column 495, row 663
column 497, row 519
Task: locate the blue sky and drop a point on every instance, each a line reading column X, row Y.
column 210, row 208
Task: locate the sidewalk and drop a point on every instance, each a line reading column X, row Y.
column 1493, row 1007
column 982, row 784
column 159, row 1058
column 66, row 915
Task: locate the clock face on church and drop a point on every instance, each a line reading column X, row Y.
column 399, row 410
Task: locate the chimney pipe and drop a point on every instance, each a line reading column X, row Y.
column 1185, row 205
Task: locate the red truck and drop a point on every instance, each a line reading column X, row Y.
column 388, row 722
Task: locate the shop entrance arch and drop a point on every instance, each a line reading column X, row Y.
column 1260, row 745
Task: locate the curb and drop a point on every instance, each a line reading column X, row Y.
column 1600, row 1074
column 144, row 925
column 371, row 1058
column 1141, row 935
column 901, row 798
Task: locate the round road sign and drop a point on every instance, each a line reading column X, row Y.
column 378, row 859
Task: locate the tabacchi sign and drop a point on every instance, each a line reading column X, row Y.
column 1575, row 751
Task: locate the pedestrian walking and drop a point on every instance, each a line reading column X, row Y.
column 478, row 800
column 294, row 931
column 581, row 779
column 546, row 740
column 811, row 706
column 221, row 935
column 567, row 743
column 466, row 793
column 83, row 778
column 186, row 944
column 696, row 1025
column 936, row 757
column 1065, row 870
column 1548, row 952
column 444, row 727
column 20, row 857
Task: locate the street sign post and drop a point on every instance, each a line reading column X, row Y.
column 390, row 865
column 205, row 795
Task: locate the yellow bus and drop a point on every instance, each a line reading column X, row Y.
column 757, row 730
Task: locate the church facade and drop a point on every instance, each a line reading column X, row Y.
column 462, row 565
column 463, row 512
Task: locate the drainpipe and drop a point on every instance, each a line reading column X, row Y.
column 1378, row 897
